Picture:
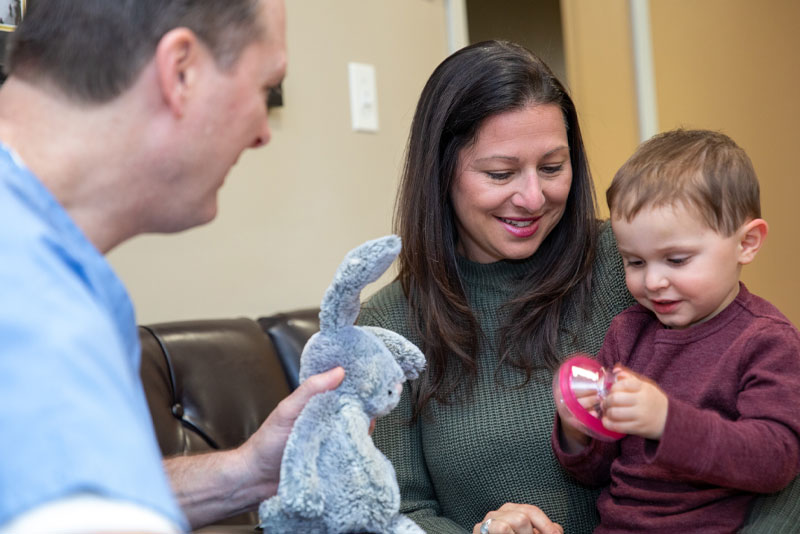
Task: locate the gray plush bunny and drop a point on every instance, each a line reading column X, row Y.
column 333, row 478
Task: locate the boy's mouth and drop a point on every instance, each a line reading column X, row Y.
column 664, row 306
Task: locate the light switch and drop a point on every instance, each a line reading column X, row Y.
column 363, row 97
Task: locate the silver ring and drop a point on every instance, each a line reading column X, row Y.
column 485, row 526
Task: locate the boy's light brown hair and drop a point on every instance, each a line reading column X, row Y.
column 704, row 170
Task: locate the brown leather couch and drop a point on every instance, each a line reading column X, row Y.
column 211, row 383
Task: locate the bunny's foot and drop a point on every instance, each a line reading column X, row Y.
column 403, row 525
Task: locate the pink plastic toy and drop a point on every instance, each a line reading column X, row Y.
column 577, row 377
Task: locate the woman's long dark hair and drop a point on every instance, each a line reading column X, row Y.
column 473, row 84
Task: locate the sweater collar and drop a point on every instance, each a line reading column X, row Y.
column 505, row 272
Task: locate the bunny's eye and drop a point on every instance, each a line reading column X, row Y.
column 390, row 392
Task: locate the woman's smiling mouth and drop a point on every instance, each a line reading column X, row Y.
column 520, row 227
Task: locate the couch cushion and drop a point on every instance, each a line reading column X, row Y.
column 289, row 332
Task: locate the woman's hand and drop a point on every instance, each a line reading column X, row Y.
column 636, row 405
column 571, row 437
column 514, row 518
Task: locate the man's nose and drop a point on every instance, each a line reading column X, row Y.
column 263, row 136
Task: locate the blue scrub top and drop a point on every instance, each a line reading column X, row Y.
column 73, row 415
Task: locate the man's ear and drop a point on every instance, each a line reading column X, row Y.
column 176, row 59
column 752, row 235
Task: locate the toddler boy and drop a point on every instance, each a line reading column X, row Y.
column 708, row 374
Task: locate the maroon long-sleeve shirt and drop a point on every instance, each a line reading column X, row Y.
column 733, row 422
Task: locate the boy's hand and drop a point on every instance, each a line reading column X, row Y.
column 636, row 405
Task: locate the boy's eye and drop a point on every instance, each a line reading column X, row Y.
column 677, row 261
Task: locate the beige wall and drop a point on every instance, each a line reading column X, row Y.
column 597, row 43
column 729, row 65
column 290, row 211
column 733, row 65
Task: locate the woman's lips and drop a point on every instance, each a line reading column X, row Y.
column 519, row 226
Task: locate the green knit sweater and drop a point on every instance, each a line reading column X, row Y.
column 493, row 447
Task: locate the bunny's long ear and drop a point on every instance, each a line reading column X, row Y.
column 408, row 356
column 362, row 265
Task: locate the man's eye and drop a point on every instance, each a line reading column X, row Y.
column 274, row 97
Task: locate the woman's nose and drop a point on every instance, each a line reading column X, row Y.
column 528, row 194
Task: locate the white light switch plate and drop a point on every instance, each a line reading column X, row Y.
column 363, row 97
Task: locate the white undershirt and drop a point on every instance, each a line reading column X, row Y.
column 87, row 514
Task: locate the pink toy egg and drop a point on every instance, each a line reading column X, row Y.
column 577, row 377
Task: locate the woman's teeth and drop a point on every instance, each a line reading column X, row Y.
column 518, row 224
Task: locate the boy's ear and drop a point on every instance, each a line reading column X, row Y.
column 176, row 59
column 752, row 234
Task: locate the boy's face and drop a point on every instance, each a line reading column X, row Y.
column 676, row 266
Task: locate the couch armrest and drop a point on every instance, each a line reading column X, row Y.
column 209, row 384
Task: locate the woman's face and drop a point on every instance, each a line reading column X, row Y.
column 512, row 184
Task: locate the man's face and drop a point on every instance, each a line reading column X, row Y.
column 230, row 115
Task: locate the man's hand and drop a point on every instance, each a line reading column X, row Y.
column 215, row 485
column 636, row 405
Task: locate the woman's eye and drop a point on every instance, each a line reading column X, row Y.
column 498, row 175
column 552, row 169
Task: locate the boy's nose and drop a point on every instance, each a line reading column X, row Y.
column 654, row 280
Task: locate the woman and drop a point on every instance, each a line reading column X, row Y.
column 504, row 271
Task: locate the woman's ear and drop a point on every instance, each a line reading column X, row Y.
column 752, row 235
column 176, row 60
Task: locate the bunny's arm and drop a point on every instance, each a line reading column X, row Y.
column 408, row 356
column 357, row 428
column 299, row 487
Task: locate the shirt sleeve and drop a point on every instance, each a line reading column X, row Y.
column 760, row 450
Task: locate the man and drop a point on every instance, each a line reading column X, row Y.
column 118, row 117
